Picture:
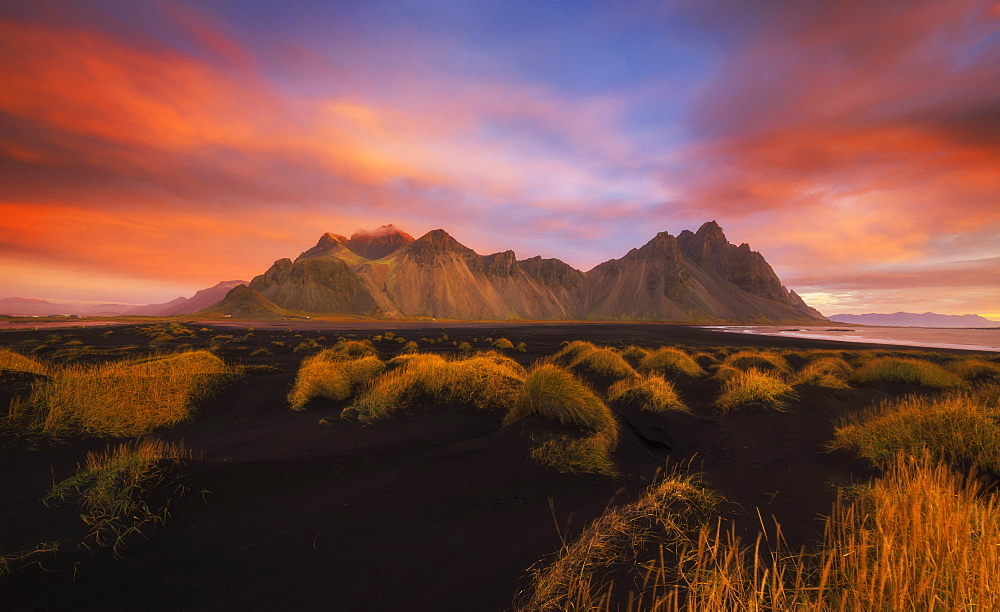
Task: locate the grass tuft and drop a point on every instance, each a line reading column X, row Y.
column 114, row 489
column 974, row 369
column 669, row 360
column 830, row 372
column 503, row 344
column 760, row 360
column 960, row 427
column 916, row 371
column 554, row 393
column 621, row 539
column 332, row 374
column 487, row 380
column 754, row 388
column 13, row 361
column 124, row 398
column 653, row 392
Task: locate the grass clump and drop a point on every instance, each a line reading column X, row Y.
column 503, row 344
column 669, row 360
column 307, row 345
column 634, row 355
column 554, row 393
column 760, row 360
column 125, row 398
column 919, row 538
column 622, row 539
column 916, row 371
column 960, row 427
column 13, row 361
column 587, row 358
column 974, row 369
column 754, row 388
column 115, row 490
column 829, row 372
column 486, row 380
column 332, row 374
column 653, row 392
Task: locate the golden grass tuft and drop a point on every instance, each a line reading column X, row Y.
column 332, row 374
column 960, row 427
column 503, row 343
column 919, row 538
column 623, row 538
column 754, row 388
column 114, row 489
column 487, row 380
column 670, row 360
column 974, row 368
column 634, row 355
column 16, row 362
column 916, row 371
column 587, row 358
column 123, row 398
column 653, row 392
column 830, row 372
column 759, row 360
column 554, row 393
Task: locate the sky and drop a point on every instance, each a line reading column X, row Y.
column 151, row 149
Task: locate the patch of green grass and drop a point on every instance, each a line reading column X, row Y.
column 754, row 388
column 960, row 427
column 916, row 371
column 669, row 360
column 653, row 392
column 115, row 490
column 124, row 398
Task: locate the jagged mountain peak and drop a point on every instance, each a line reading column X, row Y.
column 438, row 241
column 328, row 243
column 379, row 242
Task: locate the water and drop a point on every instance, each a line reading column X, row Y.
column 929, row 337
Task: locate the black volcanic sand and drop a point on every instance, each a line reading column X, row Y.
column 437, row 509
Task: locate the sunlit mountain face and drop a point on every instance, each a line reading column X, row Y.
column 148, row 150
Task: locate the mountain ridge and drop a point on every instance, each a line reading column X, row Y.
column 697, row 276
column 912, row 319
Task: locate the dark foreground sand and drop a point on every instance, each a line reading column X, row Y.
column 438, row 509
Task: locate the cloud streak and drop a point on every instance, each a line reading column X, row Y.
column 184, row 145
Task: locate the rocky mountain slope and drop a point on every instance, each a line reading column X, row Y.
column 692, row 277
column 200, row 300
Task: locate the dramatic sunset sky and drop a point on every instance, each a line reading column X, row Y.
column 150, row 149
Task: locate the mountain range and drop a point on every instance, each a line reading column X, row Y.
column 912, row 319
column 181, row 305
column 695, row 276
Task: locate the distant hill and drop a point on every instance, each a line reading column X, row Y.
column 243, row 302
column 200, row 300
column 911, row 319
column 38, row 306
column 696, row 276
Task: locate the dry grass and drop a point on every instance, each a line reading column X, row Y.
column 623, row 538
column 973, row 368
column 830, row 372
column 332, row 374
column 959, row 427
column 669, row 360
column 754, row 388
column 114, row 489
column 586, row 358
column 124, row 398
column 503, row 344
column 760, row 360
column 487, row 380
column 16, row 362
column 554, row 393
column 634, row 355
column 653, row 392
column 916, row 371
column 920, row 538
